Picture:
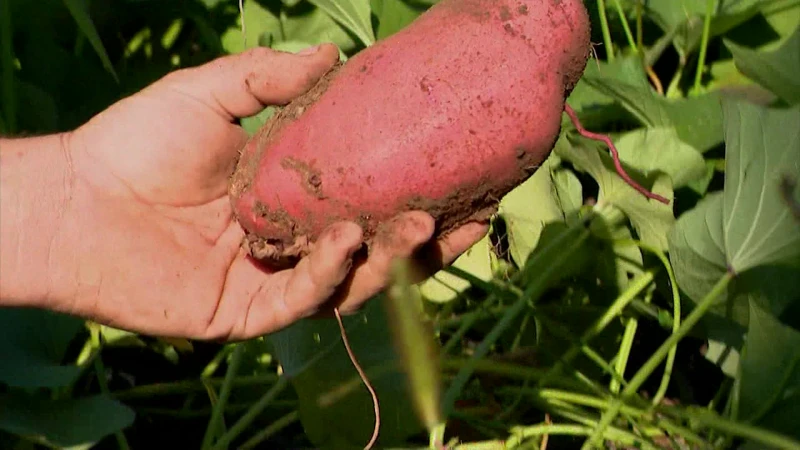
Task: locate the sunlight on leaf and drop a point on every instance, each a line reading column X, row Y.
column 777, row 71
column 657, row 149
column 259, row 23
column 393, row 16
column 64, row 422
column 528, row 208
column 316, row 27
column 444, row 287
column 352, row 14
column 80, row 14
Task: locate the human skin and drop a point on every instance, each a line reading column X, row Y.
column 126, row 220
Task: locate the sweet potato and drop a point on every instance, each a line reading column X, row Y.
column 447, row 116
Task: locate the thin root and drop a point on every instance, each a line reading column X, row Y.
column 655, row 80
column 614, row 155
column 363, row 378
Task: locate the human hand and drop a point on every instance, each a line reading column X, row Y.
column 158, row 250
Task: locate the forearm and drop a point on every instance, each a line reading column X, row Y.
column 35, row 193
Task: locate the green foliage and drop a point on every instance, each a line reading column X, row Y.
column 776, row 71
column 586, row 301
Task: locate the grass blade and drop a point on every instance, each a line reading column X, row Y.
column 80, row 14
column 414, row 340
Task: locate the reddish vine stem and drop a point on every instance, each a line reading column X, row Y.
column 364, row 378
column 614, row 154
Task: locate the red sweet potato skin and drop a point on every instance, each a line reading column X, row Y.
column 447, row 115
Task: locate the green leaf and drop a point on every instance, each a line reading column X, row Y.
column 748, row 228
column 770, row 373
column 686, row 16
column 651, row 219
column 259, row 22
column 445, row 287
column 335, row 407
column 354, row 15
column 697, row 120
column 528, row 208
column 762, row 146
column 312, row 26
column 596, row 108
column 660, row 149
column 33, row 348
column 63, row 422
column 777, row 71
column 394, row 15
column 80, row 13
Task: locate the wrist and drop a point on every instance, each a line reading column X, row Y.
column 36, row 190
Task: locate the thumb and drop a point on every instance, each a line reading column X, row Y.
column 243, row 84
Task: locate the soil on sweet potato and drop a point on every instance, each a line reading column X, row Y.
column 246, row 168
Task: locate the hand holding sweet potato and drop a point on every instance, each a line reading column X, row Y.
column 127, row 219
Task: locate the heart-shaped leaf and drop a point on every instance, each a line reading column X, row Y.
column 747, row 229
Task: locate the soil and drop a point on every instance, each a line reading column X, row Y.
column 247, row 166
column 312, row 177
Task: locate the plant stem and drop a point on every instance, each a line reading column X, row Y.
column 9, row 99
column 601, row 11
column 225, row 392
column 188, row 386
column 100, row 371
column 676, row 316
column 644, row 372
column 624, row 353
column 251, row 414
column 736, row 428
column 269, row 431
column 557, row 254
column 639, row 29
column 701, row 62
column 626, row 27
column 634, row 288
column 549, row 394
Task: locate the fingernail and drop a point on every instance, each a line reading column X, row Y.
column 309, row 51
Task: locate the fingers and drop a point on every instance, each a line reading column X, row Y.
column 243, row 84
column 409, row 236
column 255, row 301
column 399, row 238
